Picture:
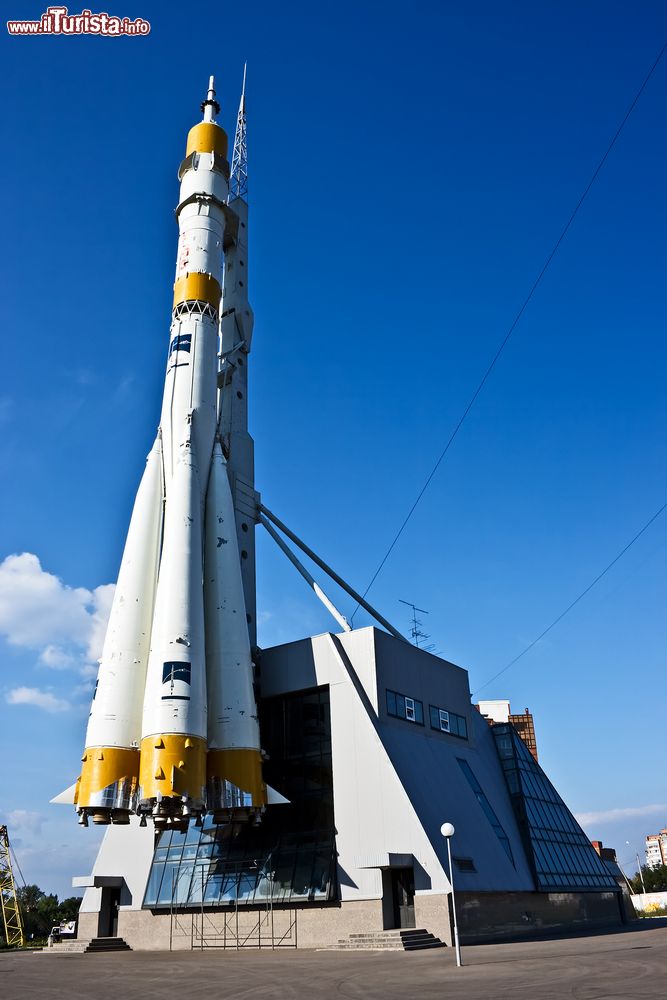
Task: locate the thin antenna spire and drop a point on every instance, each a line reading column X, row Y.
column 239, row 174
column 210, row 106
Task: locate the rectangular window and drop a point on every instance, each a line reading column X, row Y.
column 448, row 722
column 487, row 808
column 462, row 727
column 464, row 864
column 403, row 707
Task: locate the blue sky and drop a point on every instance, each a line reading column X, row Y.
column 410, row 169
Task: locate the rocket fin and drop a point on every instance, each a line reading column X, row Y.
column 274, row 798
column 67, row 797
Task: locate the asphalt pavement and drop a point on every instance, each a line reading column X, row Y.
column 629, row 965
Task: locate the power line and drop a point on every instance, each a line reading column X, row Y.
column 515, row 321
column 574, row 602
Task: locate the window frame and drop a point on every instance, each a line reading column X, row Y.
column 404, row 704
column 458, row 724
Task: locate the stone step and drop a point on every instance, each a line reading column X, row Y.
column 68, row 947
column 393, row 932
column 400, row 939
column 108, row 944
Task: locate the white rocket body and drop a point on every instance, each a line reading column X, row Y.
column 110, row 774
column 175, row 693
column 233, row 728
column 157, row 742
column 230, row 691
column 192, row 367
column 115, row 715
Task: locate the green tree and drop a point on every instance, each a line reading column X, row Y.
column 68, row 909
column 655, row 879
column 29, row 897
column 39, row 911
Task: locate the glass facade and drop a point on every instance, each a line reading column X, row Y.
column 291, row 855
column 562, row 856
column 486, row 807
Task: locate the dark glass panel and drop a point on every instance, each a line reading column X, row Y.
column 562, row 856
column 153, row 887
column 486, row 807
column 291, row 854
column 168, row 883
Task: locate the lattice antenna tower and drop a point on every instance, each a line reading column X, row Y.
column 418, row 635
column 239, row 175
column 11, row 912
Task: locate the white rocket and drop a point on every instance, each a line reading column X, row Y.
column 173, row 729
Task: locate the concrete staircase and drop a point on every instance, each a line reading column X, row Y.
column 395, row 940
column 100, row 944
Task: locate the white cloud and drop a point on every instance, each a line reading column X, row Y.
column 613, row 815
column 25, row 821
column 125, row 385
column 38, row 698
column 38, row 611
column 57, row 658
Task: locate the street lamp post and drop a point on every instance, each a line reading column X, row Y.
column 639, row 869
column 447, row 830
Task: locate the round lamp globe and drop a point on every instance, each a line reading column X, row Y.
column 447, row 830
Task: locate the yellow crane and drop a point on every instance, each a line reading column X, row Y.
column 11, row 913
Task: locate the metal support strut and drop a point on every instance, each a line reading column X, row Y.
column 327, row 569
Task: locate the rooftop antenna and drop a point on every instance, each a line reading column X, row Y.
column 239, row 174
column 418, row 636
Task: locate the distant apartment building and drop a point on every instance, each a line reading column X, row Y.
column 500, row 712
column 656, row 849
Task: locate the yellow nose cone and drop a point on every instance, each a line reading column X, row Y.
column 207, row 137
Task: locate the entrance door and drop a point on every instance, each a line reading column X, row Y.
column 108, row 920
column 403, row 894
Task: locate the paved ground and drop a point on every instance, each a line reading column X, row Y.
column 628, row 965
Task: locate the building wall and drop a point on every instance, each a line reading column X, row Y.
column 125, row 851
column 648, row 900
column 395, row 783
column 481, row 917
column 656, row 849
column 493, row 916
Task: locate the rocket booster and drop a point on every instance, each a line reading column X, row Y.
column 110, row 773
column 234, row 774
column 173, row 739
column 173, row 730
